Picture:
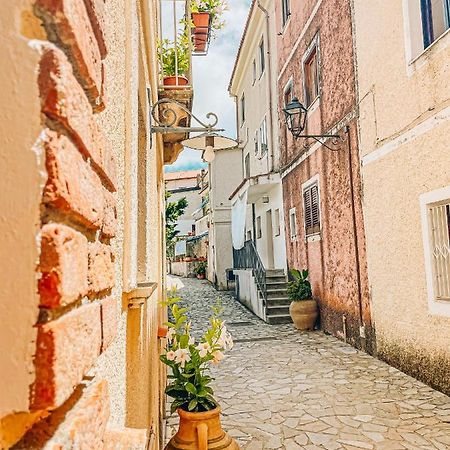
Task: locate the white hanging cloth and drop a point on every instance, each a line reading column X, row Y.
column 238, row 214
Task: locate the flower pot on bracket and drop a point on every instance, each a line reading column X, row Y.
column 201, row 30
column 201, row 431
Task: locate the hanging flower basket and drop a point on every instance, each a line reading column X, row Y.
column 201, row 31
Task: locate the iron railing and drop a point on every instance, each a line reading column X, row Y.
column 247, row 257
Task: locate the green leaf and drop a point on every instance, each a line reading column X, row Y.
column 192, row 404
column 191, row 388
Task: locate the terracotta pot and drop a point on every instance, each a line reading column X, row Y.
column 201, row 276
column 172, row 81
column 201, row 431
column 304, row 314
column 200, row 32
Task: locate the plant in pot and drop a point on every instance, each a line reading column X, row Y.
column 189, row 361
column 200, row 270
column 206, row 16
column 303, row 308
column 174, row 60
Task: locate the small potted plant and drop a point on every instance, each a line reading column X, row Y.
column 174, row 61
column 206, row 16
column 200, row 270
column 189, row 361
column 303, row 308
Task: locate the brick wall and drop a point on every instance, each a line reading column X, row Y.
column 78, row 312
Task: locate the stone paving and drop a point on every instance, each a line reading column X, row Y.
column 282, row 389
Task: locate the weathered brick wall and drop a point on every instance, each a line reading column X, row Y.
column 332, row 260
column 76, row 272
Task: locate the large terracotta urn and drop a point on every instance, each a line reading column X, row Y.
column 201, row 431
column 304, row 314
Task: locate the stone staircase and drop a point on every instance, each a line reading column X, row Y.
column 277, row 304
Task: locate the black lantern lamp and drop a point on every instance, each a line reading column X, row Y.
column 295, row 117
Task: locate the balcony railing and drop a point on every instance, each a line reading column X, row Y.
column 248, row 258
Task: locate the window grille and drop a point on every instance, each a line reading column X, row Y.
column 439, row 216
column 312, row 209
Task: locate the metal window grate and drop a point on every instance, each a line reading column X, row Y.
column 439, row 215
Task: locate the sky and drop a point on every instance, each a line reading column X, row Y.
column 211, row 77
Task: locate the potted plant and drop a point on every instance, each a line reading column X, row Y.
column 200, row 270
column 189, row 361
column 303, row 308
column 206, row 16
column 174, row 61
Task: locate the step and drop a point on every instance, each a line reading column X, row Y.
column 278, row 319
column 276, row 284
column 276, row 278
column 280, row 293
column 275, row 273
column 278, row 302
column 277, row 311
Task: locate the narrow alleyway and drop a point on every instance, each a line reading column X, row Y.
column 281, row 389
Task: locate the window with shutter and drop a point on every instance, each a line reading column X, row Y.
column 311, row 209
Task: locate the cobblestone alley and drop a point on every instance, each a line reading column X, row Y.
column 281, row 389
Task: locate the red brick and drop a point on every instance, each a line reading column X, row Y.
column 66, row 348
column 78, row 424
column 96, row 12
column 109, row 224
column 109, row 315
column 63, row 101
column 72, row 186
column 125, row 439
column 101, row 267
column 68, row 25
column 63, row 265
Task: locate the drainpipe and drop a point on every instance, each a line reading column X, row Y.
column 355, row 228
column 269, row 82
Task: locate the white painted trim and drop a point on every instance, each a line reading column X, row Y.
column 408, row 136
column 299, row 39
column 439, row 308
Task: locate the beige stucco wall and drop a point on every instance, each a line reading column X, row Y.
column 404, row 128
column 20, row 166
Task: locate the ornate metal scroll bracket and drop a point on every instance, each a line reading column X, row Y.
column 329, row 141
column 167, row 118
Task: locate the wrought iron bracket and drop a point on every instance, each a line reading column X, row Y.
column 164, row 122
column 320, row 138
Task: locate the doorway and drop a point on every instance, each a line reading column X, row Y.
column 269, row 234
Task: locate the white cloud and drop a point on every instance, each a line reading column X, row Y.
column 211, row 77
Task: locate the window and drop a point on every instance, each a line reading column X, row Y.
column 242, row 109
column 311, row 74
column 256, row 139
column 263, row 137
column 288, row 93
column 247, row 165
column 258, row 228
column 435, row 19
column 262, row 58
column 311, row 209
column 277, row 228
column 254, row 71
column 285, row 10
column 249, row 235
column 439, row 219
column 293, row 223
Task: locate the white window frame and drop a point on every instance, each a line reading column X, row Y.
column 256, row 141
column 413, row 38
column 318, row 235
column 285, row 14
column 262, row 56
column 242, row 108
column 293, row 220
column 258, row 227
column 254, row 72
column 263, row 136
column 436, row 307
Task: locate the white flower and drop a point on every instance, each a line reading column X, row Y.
column 203, row 349
column 170, row 334
column 182, row 356
column 170, row 355
column 218, row 356
column 225, row 340
column 191, row 341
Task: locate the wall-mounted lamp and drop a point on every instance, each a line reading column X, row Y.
column 295, row 115
column 209, row 142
